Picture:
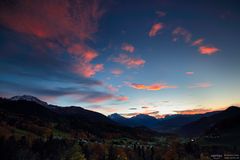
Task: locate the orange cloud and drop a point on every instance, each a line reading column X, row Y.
column 87, row 69
column 83, row 51
column 198, row 42
column 130, row 62
column 155, row 28
column 208, row 50
column 201, row 85
column 152, row 87
column 189, row 73
column 194, row 111
column 116, row 71
column 128, row 47
column 122, row 98
column 181, row 32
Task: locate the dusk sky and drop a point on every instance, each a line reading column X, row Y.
column 127, row 56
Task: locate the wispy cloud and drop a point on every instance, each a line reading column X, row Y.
column 161, row 14
column 132, row 108
column 198, row 42
column 155, row 29
column 194, row 111
column 201, row 85
column 116, row 71
column 93, row 97
column 130, row 62
column 128, row 47
column 50, row 92
column 111, row 88
column 62, row 18
column 152, row 87
column 82, row 51
column 66, row 26
column 87, row 69
column 180, row 32
column 208, row 50
column 144, row 107
column 150, row 113
column 189, row 73
column 121, row 98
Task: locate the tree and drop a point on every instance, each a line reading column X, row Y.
column 75, row 153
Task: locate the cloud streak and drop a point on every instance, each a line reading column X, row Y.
column 121, row 98
column 208, row 50
column 198, row 42
column 130, row 62
column 116, row 71
column 128, row 47
column 152, row 87
column 201, row 85
column 161, row 14
column 194, row 111
column 189, row 73
column 155, row 29
column 180, row 32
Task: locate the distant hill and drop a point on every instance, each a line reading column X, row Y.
column 168, row 124
column 173, row 122
column 221, row 122
column 29, row 115
column 135, row 121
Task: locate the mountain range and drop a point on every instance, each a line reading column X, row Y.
column 167, row 124
column 29, row 115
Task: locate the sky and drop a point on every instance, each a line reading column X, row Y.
column 153, row 57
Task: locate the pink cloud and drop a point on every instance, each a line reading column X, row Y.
column 128, row 47
column 116, row 71
column 189, row 73
column 58, row 21
column 111, row 88
column 181, row 32
column 122, row 98
column 130, row 62
column 152, row 87
column 208, row 50
column 198, row 42
column 83, row 51
column 155, row 29
column 98, row 99
column 62, row 25
column 87, row 69
column 201, row 85
column 194, row 111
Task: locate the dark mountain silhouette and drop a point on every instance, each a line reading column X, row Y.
column 168, row 124
column 120, row 119
column 135, row 121
column 26, row 108
column 29, row 98
column 223, row 121
column 144, row 120
column 39, row 118
column 173, row 122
